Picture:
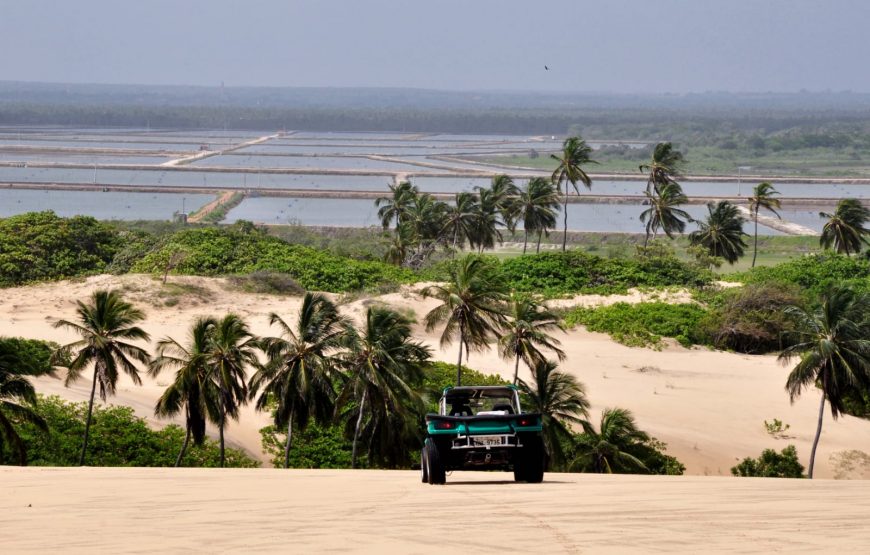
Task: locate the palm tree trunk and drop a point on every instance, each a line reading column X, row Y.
column 818, row 435
column 538, row 250
column 459, row 362
column 516, row 369
column 221, row 428
column 88, row 421
column 186, row 438
column 362, row 406
column 455, row 234
column 525, row 238
column 289, row 439
column 755, row 249
column 565, row 210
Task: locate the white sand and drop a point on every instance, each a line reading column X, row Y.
column 708, row 406
column 124, row 510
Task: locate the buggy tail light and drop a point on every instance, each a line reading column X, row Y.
column 444, row 425
column 527, row 421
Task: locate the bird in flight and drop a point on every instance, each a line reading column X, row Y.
column 545, row 67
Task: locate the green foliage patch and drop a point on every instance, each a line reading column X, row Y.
column 315, row 447
column 771, row 465
column 117, row 438
column 642, row 324
column 572, row 272
column 814, row 273
column 221, row 251
column 43, row 246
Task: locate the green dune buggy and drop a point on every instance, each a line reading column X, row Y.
column 482, row 428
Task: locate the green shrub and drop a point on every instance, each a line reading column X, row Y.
column 771, row 465
column 136, row 244
column 43, row 246
column 117, row 438
column 813, row 273
column 750, row 319
column 642, row 324
column 572, row 272
column 33, row 355
column 221, row 251
column 316, row 447
column 652, row 454
column 271, row 283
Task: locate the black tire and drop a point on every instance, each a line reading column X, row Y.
column 529, row 466
column 437, row 472
column 424, row 465
column 519, row 469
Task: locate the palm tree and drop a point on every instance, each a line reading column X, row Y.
column 574, row 155
column 503, row 195
column 425, row 218
column 486, row 221
column 561, row 401
column 833, row 344
column 845, row 229
column 17, row 397
column 664, row 167
column 722, row 232
column 460, row 218
column 663, row 212
column 401, row 241
column 608, row 449
column 471, row 307
column 396, row 206
column 104, row 324
column 526, row 330
column 537, row 205
column 232, row 349
column 298, row 375
column 192, row 389
column 380, row 361
column 762, row 197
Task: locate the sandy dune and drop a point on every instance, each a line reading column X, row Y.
column 118, row 510
column 708, row 406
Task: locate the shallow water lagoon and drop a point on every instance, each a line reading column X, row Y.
column 103, row 206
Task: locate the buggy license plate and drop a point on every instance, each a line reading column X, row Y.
column 488, row 440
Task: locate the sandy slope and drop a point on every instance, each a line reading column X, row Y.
column 122, row 510
column 708, row 406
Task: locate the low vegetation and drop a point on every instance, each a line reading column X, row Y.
column 573, row 272
column 240, row 250
column 643, row 324
column 771, row 465
column 117, row 438
column 40, row 246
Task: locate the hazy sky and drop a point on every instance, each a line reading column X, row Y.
column 606, row 45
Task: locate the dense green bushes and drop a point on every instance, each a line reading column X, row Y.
column 814, row 273
column 315, row 447
column 43, row 246
column 220, row 251
column 750, row 319
column 642, row 324
column 771, row 465
column 572, row 272
column 117, row 438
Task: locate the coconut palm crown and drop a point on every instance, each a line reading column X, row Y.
column 575, row 154
column 106, row 324
column 845, row 229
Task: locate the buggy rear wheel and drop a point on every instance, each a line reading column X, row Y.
column 435, row 462
column 529, row 463
column 424, row 465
